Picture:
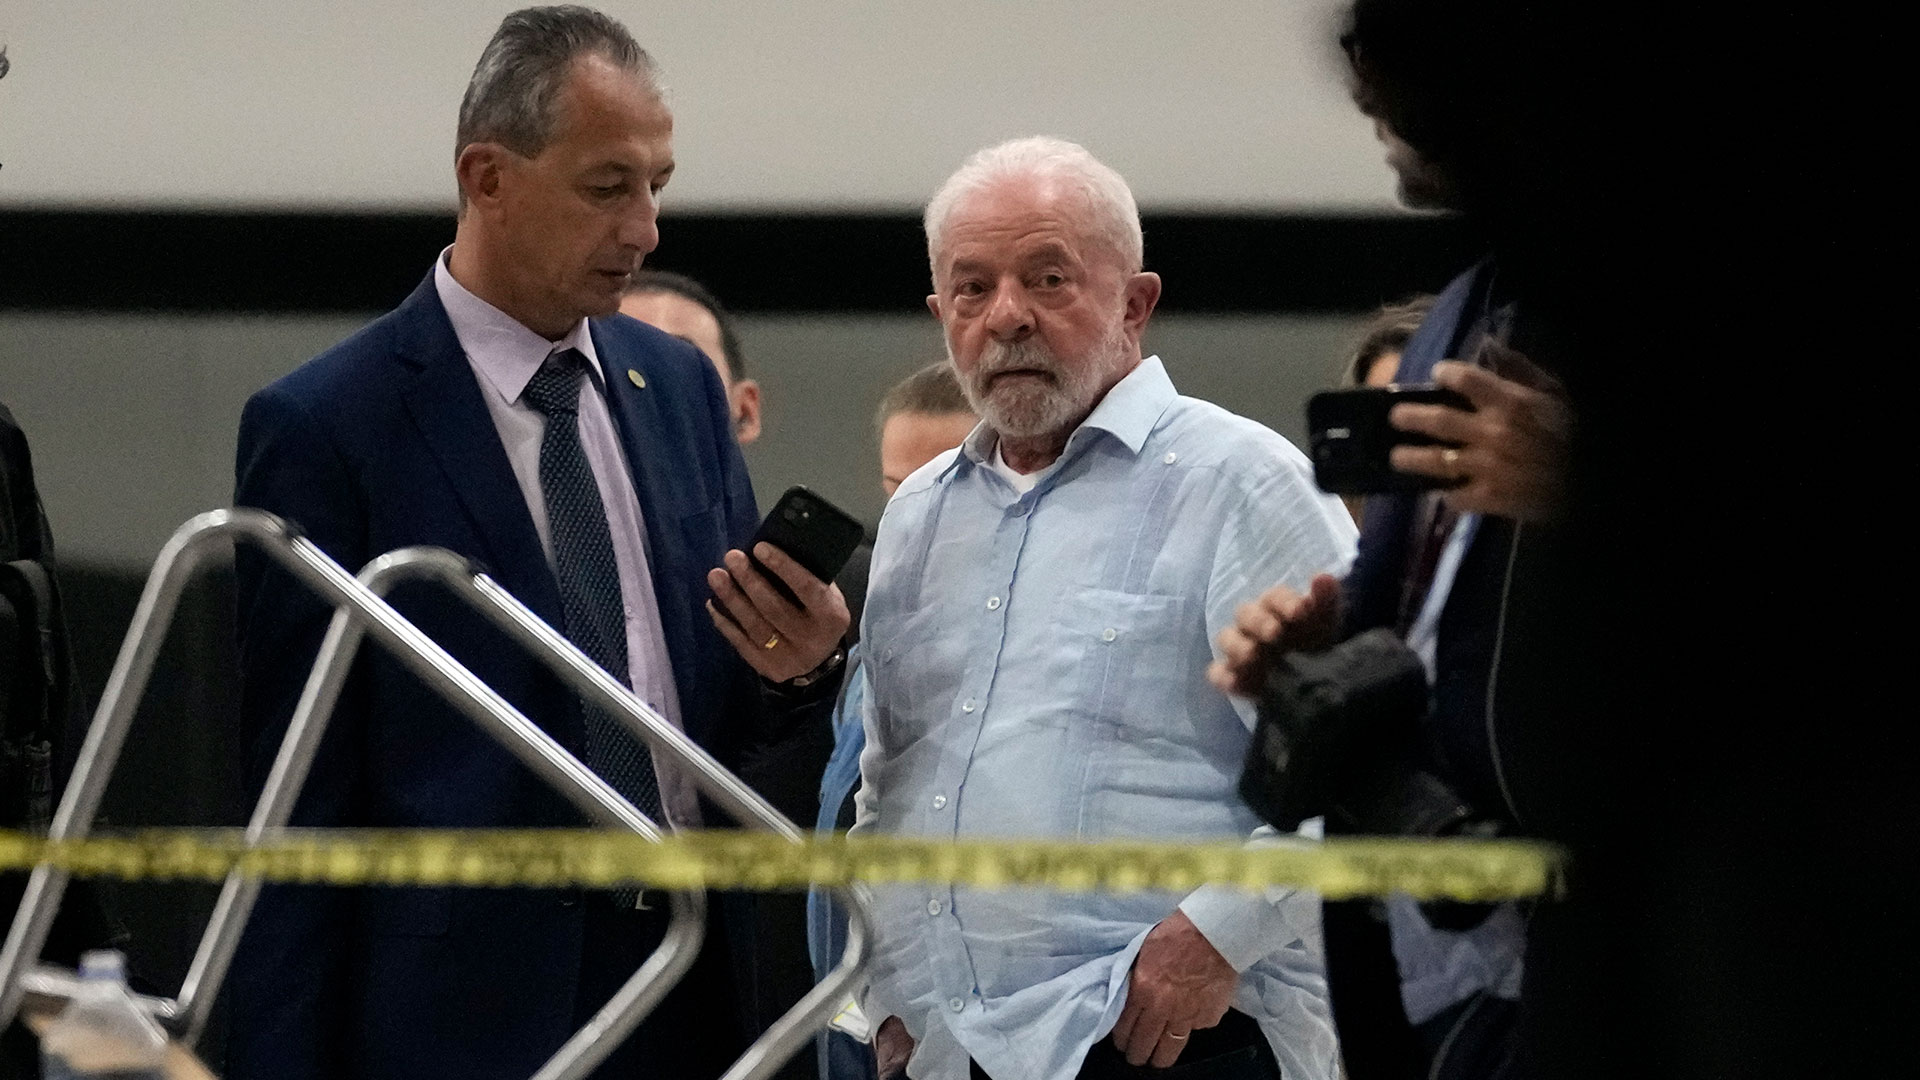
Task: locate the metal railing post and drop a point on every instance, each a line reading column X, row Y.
column 792, row 1030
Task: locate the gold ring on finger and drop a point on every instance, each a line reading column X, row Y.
column 772, row 642
column 1451, row 455
column 1178, row 1038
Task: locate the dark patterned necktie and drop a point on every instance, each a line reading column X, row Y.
column 589, row 578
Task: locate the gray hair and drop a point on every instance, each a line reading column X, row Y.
column 1111, row 211
column 509, row 100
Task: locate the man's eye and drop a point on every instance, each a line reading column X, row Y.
column 608, row 191
column 969, row 288
column 1051, row 281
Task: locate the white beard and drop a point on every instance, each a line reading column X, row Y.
column 1027, row 407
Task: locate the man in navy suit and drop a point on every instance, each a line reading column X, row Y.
column 505, row 411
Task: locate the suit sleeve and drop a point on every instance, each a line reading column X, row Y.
column 288, row 982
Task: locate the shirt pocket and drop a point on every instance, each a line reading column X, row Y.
column 1128, row 658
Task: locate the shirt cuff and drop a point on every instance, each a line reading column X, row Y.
column 1244, row 927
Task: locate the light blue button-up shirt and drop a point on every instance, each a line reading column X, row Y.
column 1037, row 667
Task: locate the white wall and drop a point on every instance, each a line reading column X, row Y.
column 780, row 103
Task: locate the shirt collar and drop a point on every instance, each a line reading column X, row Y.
column 501, row 348
column 1128, row 413
column 1132, row 408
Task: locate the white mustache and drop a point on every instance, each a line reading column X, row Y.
column 1020, row 356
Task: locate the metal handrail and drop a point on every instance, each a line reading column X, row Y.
column 498, row 718
column 788, row 1034
column 180, row 559
column 361, row 609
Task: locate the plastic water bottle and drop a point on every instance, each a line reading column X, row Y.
column 103, row 1034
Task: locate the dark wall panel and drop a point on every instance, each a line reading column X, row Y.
column 208, row 261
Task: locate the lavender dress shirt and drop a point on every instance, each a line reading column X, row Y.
column 505, row 355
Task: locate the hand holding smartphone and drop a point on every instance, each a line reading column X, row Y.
column 1350, row 439
column 818, row 535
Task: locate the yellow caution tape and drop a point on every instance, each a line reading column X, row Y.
column 1453, row 869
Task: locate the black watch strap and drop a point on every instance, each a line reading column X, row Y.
column 826, row 668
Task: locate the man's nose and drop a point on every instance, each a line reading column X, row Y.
column 1009, row 315
column 640, row 228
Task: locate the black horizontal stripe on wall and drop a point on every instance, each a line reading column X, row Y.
column 275, row 262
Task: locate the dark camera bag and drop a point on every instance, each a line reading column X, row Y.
column 1339, row 737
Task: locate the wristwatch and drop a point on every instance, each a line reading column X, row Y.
column 827, row 667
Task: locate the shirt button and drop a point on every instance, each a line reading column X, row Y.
column 993, row 603
column 957, row 1004
column 1109, row 634
column 967, row 705
column 939, row 802
column 933, row 907
column 1171, row 457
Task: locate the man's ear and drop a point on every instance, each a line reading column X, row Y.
column 1142, row 296
column 479, row 170
column 744, row 396
column 933, row 304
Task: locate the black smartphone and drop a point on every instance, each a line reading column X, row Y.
column 818, row 535
column 1350, row 439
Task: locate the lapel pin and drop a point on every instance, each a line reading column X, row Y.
column 634, row 376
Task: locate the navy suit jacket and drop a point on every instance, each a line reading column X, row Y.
column 1460, row 732
column 381, row 442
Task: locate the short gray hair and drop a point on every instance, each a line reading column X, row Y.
column 509, row 100
column 1107, row 199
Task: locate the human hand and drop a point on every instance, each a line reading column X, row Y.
column 1279, row 621
column 777, row 639
column 1179, row 982
column 892, row 1047
column 1509, row 455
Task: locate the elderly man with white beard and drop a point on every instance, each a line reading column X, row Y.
column 1043, row 607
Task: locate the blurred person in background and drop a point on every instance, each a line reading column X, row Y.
column 689, row 311
column 921, row 417
column 1043, row 604
column 43, row 720
column 1376, row 358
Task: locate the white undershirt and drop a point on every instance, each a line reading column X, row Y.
column 1022, row 482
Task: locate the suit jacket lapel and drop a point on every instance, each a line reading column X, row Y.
column 444, row 400
column 636, row 412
